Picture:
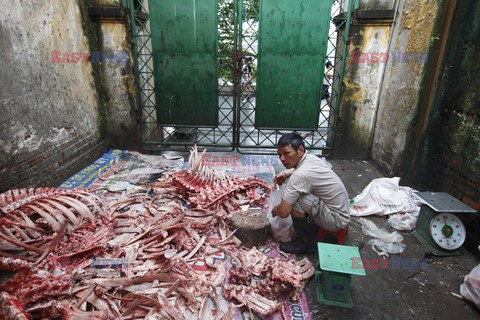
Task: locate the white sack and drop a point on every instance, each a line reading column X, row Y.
column 384, row 196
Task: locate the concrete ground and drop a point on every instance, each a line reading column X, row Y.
column 394, row 293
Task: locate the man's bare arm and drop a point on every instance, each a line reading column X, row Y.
column 282, row 210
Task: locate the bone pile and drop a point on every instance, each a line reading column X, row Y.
column 274, row 278
column 210, row 189
column 142, row 256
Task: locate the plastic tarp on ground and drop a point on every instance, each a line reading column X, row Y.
column 88, row 175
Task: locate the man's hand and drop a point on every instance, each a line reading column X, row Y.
column 280, row 178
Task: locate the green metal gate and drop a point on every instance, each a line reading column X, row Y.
column 291, row 59
column 185, row 41
column 189, row 57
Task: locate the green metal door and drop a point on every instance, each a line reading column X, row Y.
column 292, row 51
column 189, row 60
column 184, row 40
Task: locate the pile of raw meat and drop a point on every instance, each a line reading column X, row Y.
column 143, row 255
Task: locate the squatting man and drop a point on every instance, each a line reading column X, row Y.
column 313, row 195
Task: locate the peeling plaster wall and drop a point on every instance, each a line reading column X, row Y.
column 122, row 110
column 402, row 85
column 50, row 123
column 360, row 92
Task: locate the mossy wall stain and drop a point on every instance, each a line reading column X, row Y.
column 421, row 28
column 123, row 116
column 450, row 153
column 353, row 92
column 102, row 3
column 376, row 4
column 398, row 109
column 114, row 82
column 360, row 92
column 94, row 35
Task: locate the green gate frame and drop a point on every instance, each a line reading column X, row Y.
column 231, row 133
column 291, row 54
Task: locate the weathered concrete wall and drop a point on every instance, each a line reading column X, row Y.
column 413, row 33
column 376, row 4
column 59, row 116
column 115, row 81
column 449, row 156
column 363, row 72
column 122, row 116
column 50, row 122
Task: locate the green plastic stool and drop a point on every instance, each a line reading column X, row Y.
column 334, row 277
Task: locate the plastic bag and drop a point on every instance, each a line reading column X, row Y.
column 384, row 248
column 370, row 229
column 386, row 242
column 403, row 221
column 470, row 289
column 282, row 228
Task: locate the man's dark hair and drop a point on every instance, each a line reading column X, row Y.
column 293, row 139
column 248, row 59
column 328, row 64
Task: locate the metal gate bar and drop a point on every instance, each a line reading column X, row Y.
column 235, row 128
column 252, row 138
column 178, row 137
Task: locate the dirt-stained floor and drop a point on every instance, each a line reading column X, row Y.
column 395, row 293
